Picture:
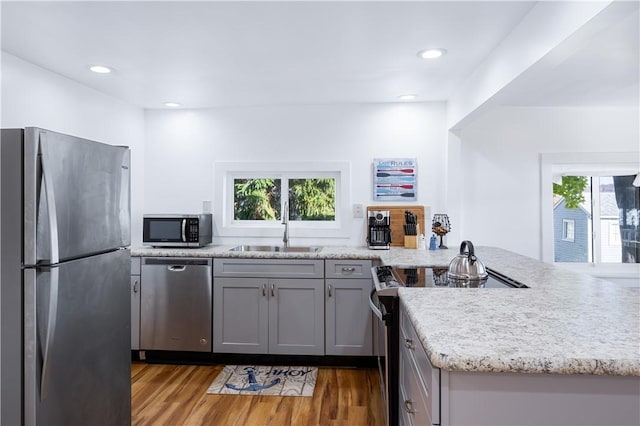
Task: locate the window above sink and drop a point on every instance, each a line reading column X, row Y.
column 253, row 195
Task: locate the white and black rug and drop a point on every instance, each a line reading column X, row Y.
column 265, row 380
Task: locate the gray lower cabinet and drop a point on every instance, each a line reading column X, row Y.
column 296, row 316
column 419, row 381
column 348, row 320
column 240, row 315
column 135, row 303
column 434, row 396
column 268, row 306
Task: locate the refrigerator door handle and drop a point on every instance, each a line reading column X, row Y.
column 51, row 211
column 53, row 288
column 51, row 331
column 30, row 348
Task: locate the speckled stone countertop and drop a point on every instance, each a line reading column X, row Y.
column 565, row 323
column 325, row 252
column 397, row 256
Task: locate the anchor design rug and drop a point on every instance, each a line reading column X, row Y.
column 265, row 380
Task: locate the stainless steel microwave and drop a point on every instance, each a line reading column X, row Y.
column 177, row 230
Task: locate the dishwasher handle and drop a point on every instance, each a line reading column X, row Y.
column 176, row 268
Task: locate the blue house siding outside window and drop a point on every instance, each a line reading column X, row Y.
column 567, row 249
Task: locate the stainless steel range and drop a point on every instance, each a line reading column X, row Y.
column 384, row 303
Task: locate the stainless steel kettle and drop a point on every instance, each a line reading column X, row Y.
column 466, row 266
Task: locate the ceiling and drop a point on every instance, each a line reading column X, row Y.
column 213, row 54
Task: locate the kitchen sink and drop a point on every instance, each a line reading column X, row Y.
column 277, row 249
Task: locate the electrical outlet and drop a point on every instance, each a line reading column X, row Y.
column 357, row 211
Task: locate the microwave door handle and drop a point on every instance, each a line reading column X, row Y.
column 184, row 230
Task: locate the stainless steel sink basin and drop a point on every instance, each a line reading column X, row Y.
column 277, row 249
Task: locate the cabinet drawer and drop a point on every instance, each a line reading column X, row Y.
column 348, row 268
column 268, row 268
column 414, row 398
column 430, row 376
column 135, row 266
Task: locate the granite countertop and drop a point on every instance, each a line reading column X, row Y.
column 397, row 256
column 565, row 323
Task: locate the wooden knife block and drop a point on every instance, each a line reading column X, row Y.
column 411, row 241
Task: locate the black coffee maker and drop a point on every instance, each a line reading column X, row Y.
column 379, row 236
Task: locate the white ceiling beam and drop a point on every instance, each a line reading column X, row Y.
column 544, row 28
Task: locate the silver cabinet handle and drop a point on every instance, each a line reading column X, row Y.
column 408, row 343
column 264, row 289
column 348, row 269
column 408, row 405
column 135, row 286
column 273, row 290
column 329, row 290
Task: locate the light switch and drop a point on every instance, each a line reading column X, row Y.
column 357, row 211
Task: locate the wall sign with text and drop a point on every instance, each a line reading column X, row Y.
column 395, row 179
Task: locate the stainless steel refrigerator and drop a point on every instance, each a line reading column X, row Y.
column 64, row 288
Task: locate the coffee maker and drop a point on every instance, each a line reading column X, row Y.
column 379, row 236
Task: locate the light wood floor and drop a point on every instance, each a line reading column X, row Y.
column 176, row 395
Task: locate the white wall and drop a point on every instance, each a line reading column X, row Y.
column 182, row 146
column 500, row 201
column 33, row 96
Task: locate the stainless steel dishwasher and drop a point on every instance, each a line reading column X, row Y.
column 176, row 301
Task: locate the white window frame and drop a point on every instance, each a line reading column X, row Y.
column 226, row 172
column 568, row 224
column 552, row 167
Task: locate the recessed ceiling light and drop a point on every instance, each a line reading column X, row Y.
column 171, row 104
column 407, row 97
column 100, row 69
column 432, row 53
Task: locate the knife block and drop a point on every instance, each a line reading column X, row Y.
column 411, row 241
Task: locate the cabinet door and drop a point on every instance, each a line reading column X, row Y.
column 240, row 315
column 296, row 316
column 135, row 312
column 348, row 320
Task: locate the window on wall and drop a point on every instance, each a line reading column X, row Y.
column 598, row 215
column 568, row 229
column 252, row 198
column 264, row 198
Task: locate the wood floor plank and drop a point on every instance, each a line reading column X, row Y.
column 175, row 395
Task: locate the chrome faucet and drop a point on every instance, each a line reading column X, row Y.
column 285, row 222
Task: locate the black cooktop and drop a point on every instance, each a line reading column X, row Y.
column 389, row 276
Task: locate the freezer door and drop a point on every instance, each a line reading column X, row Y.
column 77, row 356
column 76, row 197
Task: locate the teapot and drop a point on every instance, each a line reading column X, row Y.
column 466, row 266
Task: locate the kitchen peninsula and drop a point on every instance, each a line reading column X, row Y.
column 568, row 339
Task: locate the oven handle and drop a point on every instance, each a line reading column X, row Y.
column 373, row 307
